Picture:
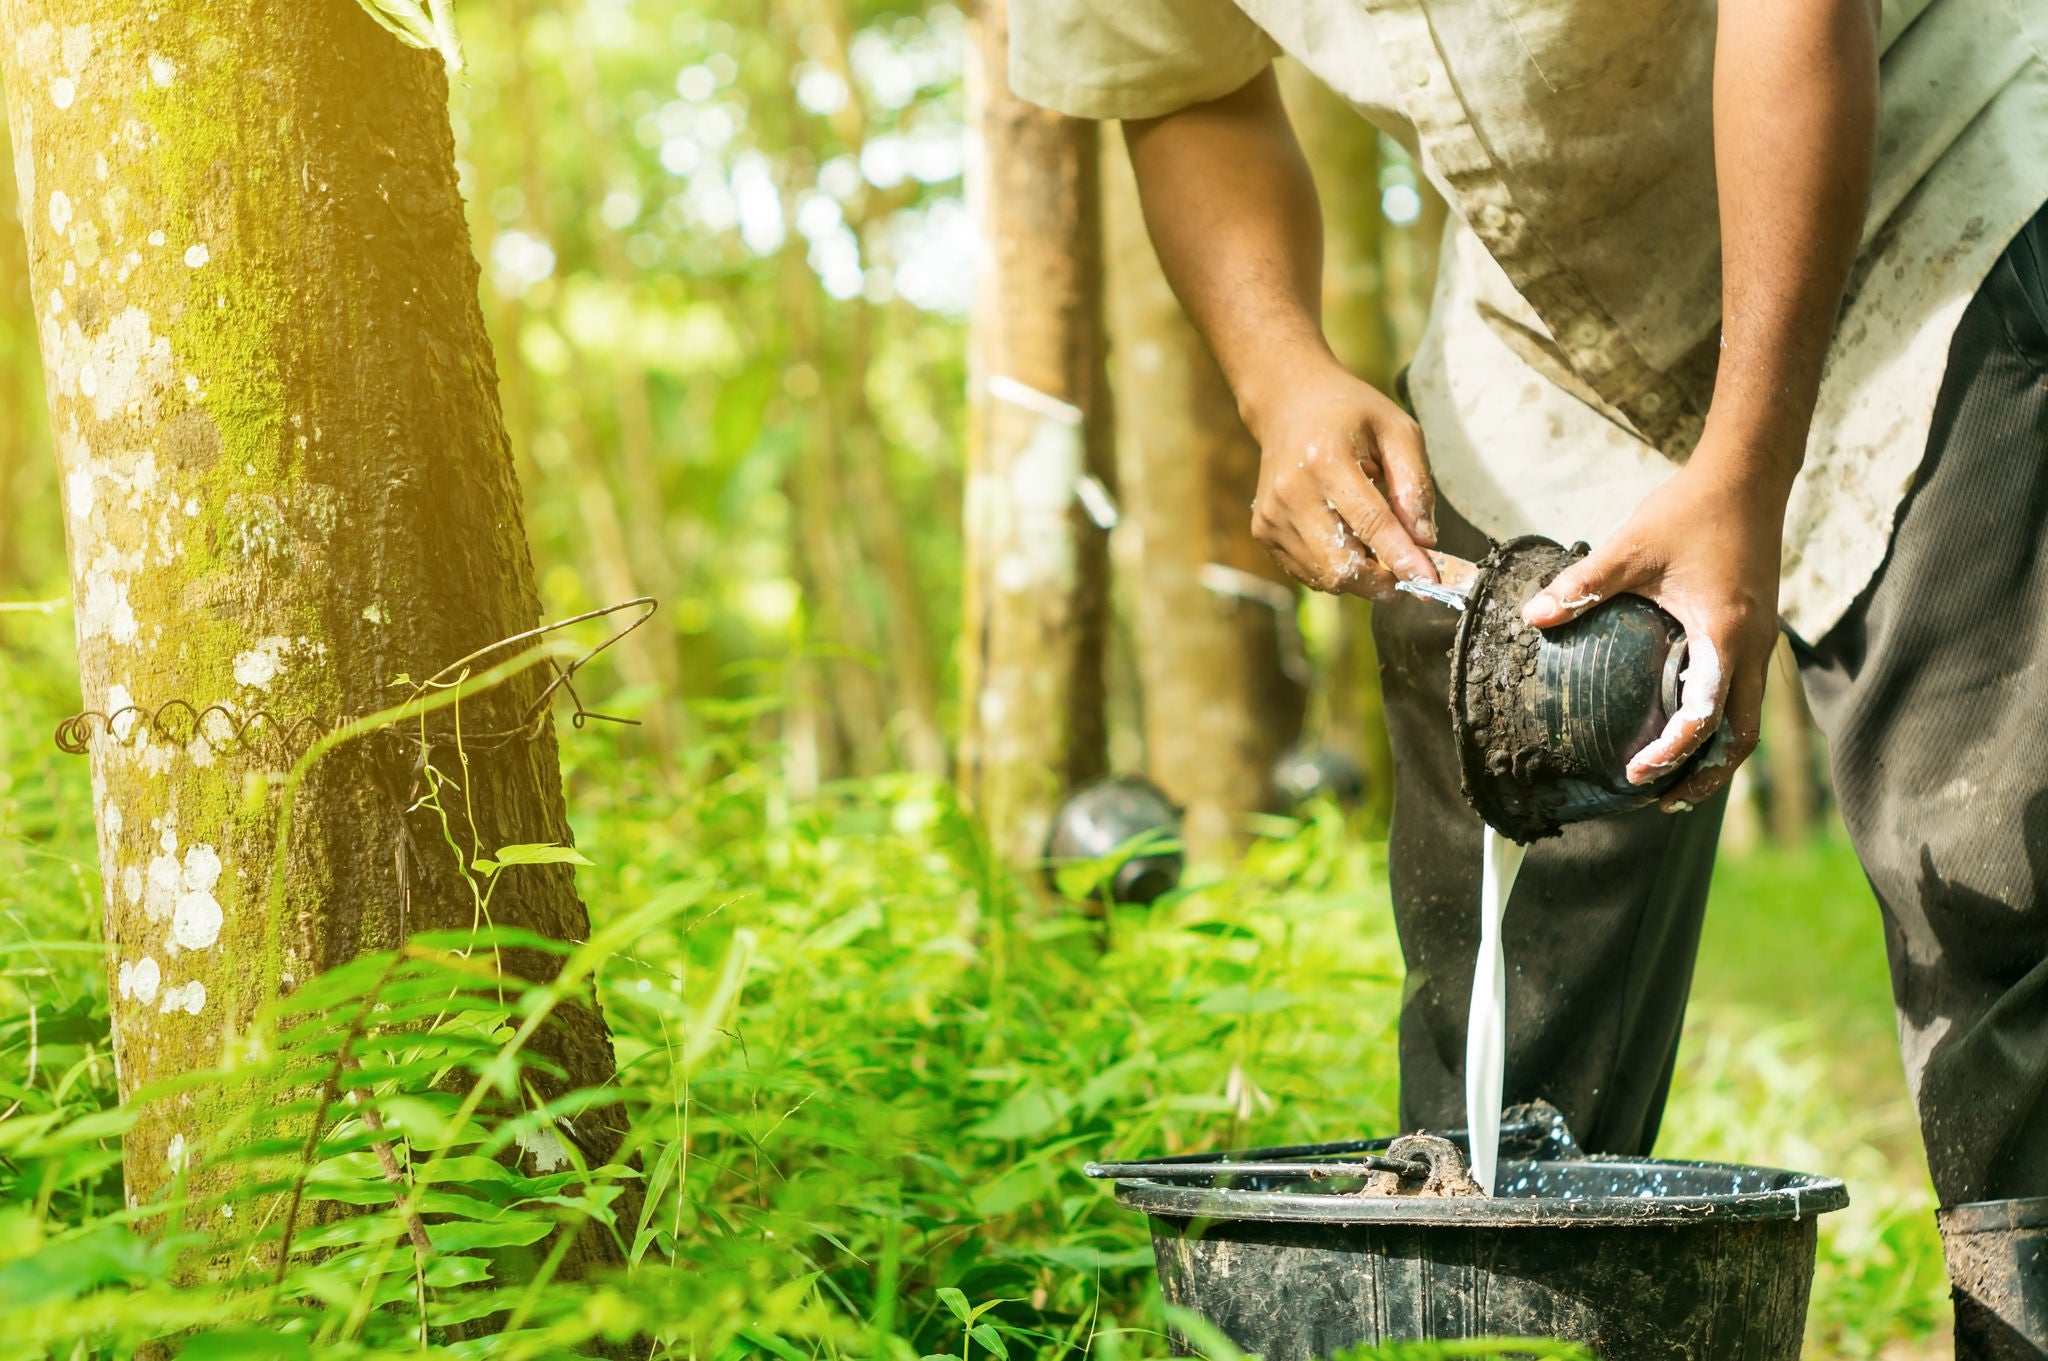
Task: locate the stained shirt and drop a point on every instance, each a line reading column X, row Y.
column 1573, row 337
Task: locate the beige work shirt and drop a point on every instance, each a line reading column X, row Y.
column 1570, row 354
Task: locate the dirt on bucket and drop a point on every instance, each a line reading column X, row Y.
column 1448, row 1175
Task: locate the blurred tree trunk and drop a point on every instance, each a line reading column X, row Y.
column 1036, row 581
column 1344, row 151
column 640, row 444
column 844, row 654
column 1788, row 747
column 879, row 577
column 878, row 521
column 626, row 548
column 286, row 484
column 16, row 328
column 1218, row 704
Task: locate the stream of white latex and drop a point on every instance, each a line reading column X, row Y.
column 1487, row 1025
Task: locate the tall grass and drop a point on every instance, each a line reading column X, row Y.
column 862, row 1066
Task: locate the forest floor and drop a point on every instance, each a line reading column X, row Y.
column 864, row 1066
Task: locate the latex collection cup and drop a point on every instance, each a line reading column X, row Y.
column 1547, row 719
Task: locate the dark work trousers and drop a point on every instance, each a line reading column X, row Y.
column 1933, row 693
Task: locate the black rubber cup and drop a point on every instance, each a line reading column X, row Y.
column 1546, row 720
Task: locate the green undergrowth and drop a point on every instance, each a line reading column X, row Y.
column 861, row 1065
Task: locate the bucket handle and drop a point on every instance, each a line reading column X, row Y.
column 1168, row 1171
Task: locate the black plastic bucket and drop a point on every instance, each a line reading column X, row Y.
column 1635, row 1258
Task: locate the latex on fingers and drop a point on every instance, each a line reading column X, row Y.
column 1345, row 501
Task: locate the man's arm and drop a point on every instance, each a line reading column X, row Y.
column 1232, row 212
column 1795, row 136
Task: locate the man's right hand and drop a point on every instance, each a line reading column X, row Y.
column 1345, row 501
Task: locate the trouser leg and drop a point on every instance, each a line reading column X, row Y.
column 1600, row 933
column 1933, row 692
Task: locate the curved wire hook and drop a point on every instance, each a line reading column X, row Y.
column 180, row 722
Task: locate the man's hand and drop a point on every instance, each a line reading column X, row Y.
column 1795, row 136
column 1705, row 547
column 1342, row 473
column 1232, row 211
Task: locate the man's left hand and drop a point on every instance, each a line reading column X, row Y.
column 1705, row 546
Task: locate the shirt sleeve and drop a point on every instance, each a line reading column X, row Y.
column 1131, row 58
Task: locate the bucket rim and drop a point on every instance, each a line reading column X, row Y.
column 1797, row 1195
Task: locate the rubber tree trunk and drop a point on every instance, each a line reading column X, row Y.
column 1037, row 564
column 1344, row 151
column 286, row 485
column 1214, row 620
column 1788, row 741
column 16, row 346
column 874, row 501
column 624, row 539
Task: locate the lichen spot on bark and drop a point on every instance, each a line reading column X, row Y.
column 121, row 717
column 188, row 997
column 125, row 367
column 161, row 889
column 105, row 610
column 137, row 980
column 544, row 1146
column 259, row 666
column 78, row 491
column 196, row 919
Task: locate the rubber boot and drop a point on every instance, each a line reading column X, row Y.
column 1997, row 1254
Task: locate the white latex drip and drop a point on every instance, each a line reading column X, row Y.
column 1486, row 1027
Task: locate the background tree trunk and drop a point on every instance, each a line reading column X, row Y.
column 1344, row 151
column 1037, row 566
column 17, row 348
column 286, row 484
column 625, row 543
column 1214, row 621
column 1377, row 280
column 1788, row 749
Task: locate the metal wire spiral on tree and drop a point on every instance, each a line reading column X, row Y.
column 284, row 741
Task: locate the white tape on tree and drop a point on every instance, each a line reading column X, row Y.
column 1011, row 392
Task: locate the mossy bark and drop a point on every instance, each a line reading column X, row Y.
column 286, row 486
column 1036, row 584
column 1215, row 632
column 16, row 351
